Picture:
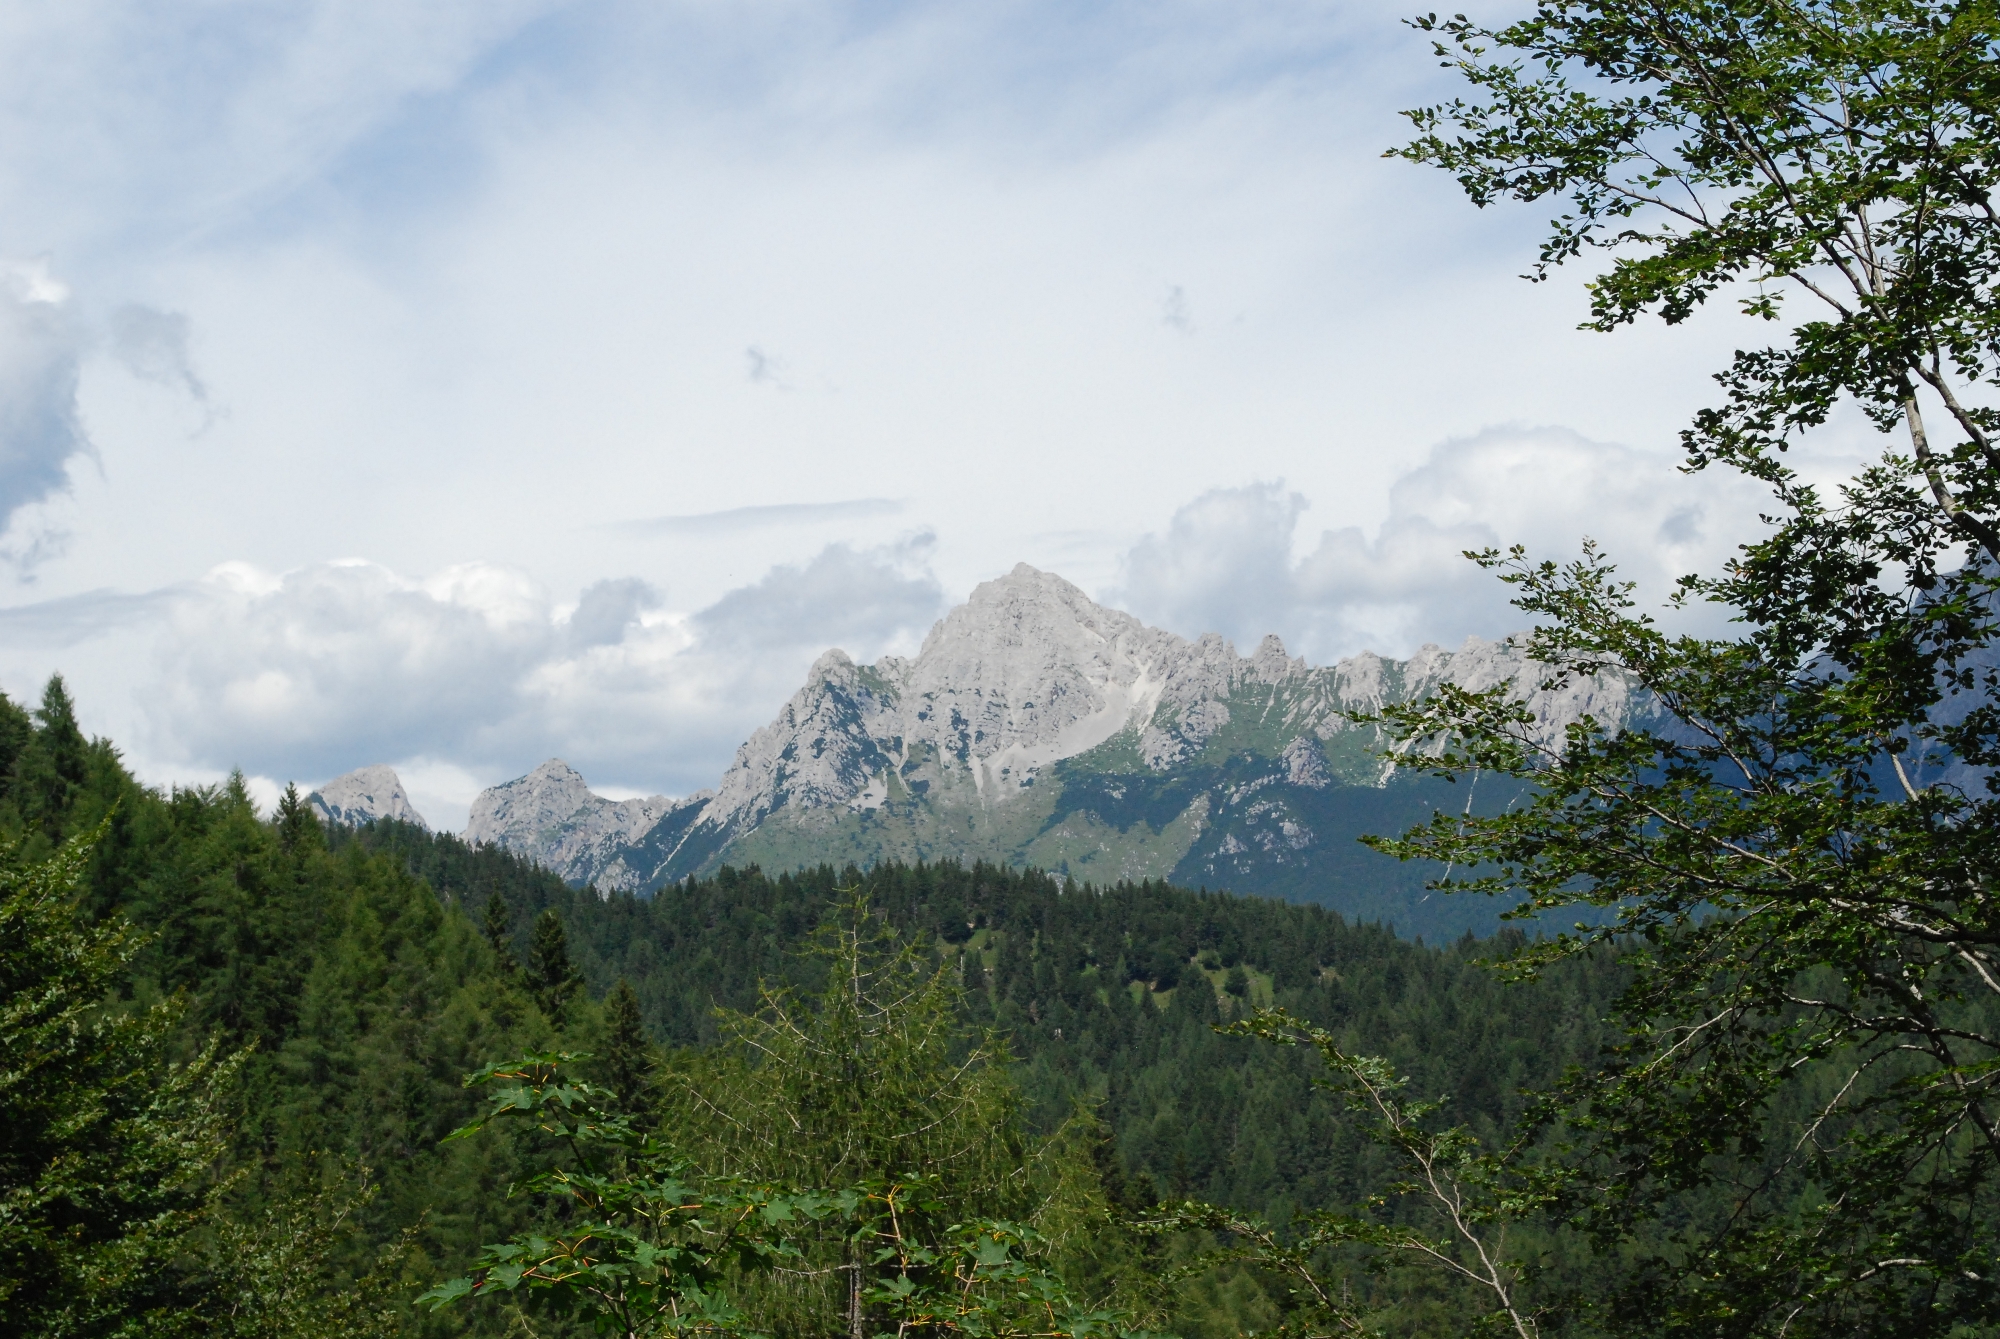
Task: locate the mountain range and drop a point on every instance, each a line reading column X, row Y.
column 1038, row 727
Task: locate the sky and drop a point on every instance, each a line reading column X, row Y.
column 458, row 385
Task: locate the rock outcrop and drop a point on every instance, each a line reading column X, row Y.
column 364, row 795
column 553, row 817
column 1037, row 726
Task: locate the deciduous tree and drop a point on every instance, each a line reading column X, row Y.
column 1792, row 838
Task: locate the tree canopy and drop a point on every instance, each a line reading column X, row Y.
column 1794, row 844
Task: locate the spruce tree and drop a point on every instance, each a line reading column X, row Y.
column 629, row 1056
column 298, row 826
column 105, row 1146
column 551, row 976
column 499, row 931
column 56, row 763
column 17, row 728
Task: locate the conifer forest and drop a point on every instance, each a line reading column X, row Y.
column 1731, row 1070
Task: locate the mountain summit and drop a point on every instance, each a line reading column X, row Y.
column 1036, row 726
column 551, row 816
column 364, row 795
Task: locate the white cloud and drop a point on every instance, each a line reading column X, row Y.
column 1227, row 560
column 487, row 276
column 153, row 346
column 476, row 672
column 41, row 349
column 350, row 661
column 872, row 594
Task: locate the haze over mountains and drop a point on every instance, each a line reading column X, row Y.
column 1037, row 727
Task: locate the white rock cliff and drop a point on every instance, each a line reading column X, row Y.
column 363, row 795
column 551, row 816
column 1028, row 672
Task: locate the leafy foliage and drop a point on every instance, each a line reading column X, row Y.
column 1799, row 1133
column 892, row 1134
column 637, row 1245
column 1839, row 150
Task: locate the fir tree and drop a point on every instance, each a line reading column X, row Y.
column 56, row 763
column 499, row 931
column 17, row 728
column 298, row 826
column 629, row 1057
column 104, row 1145
column 551, row 976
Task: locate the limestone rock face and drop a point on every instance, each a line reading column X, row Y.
column 823, row 748
column 552, row 817
column 1030, row 671
column 1037, row 726
column 364, row 795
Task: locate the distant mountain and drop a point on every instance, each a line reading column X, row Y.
column 364, row 795
column 552, row 817
column 1037, row 727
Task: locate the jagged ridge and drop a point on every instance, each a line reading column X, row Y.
column 1037, row 726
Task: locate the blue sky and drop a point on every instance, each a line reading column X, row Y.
column 455, row 385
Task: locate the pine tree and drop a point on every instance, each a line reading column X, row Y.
column 629, row 1057
column 551, row 976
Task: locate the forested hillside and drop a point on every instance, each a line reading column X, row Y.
column 359, row 977
column 236, row 1050
column 1104, row 995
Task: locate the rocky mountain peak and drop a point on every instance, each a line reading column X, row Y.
column 552, row 815
column 364, row 795
column 831, row 664
column 1270, row 664
column 1029, row 670
column 1026, row 605
column 1033, row 724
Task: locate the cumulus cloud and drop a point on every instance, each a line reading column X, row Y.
column 608, row 610
column 44, row 344
column 476, row 670
column 1228, row 560
column 41, row 351
column 870, row 594
column 1223, row 565
column 345, row 663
